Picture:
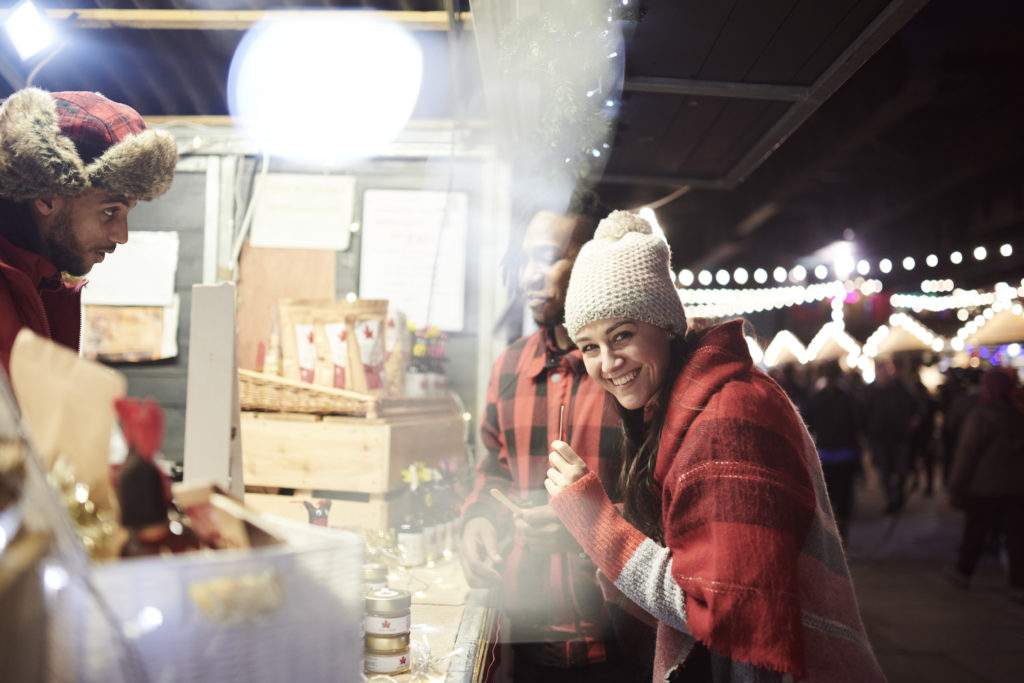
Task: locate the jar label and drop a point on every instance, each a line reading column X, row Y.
column 386, row 664
column 385, row 626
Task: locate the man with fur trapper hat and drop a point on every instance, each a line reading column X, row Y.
column 72, row 165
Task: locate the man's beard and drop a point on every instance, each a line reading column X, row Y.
column 545, row 319
column 63, row 248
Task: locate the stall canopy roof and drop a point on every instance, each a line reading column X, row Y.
column 776, row 127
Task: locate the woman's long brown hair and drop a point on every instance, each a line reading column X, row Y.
column 641, row 497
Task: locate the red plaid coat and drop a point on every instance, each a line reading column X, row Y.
column 753, row 567
column 548, row 598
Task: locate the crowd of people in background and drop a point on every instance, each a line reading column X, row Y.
column 965, row 438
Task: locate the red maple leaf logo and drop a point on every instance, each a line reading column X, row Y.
column 367, row 332
column 385, row 624
column 391, row 322
column 343, row 335
column 402, row 660
column 309, row 337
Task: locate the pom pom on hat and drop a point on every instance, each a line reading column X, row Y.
column 618, row 223
column 623, row 273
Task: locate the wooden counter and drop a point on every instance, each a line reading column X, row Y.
column 454, row 621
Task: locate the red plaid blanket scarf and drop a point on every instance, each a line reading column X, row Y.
column 753, row 567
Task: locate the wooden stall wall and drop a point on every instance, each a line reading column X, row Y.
column 262, row 272
column 182, row 210
column 266, row 274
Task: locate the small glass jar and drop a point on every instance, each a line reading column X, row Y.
column 388, row 612
column 412, row 542
column 375, row 576
column 386, row 655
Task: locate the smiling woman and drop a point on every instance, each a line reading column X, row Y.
column 628, row 358
column 716, row 462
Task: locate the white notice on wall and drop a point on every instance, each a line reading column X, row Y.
column 303, row 211
column 139, row 273
column 414, row 254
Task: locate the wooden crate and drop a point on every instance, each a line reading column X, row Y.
column 356, row 461
column 375, row 512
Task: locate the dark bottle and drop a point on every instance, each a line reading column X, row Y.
column 142, row 488
column 140, row 491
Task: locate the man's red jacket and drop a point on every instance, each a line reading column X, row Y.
column 33, row 295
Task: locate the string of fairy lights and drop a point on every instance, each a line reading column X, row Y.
column 975, row 308
column 843, row 267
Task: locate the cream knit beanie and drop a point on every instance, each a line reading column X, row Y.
column 623, row 273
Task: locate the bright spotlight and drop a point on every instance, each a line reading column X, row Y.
column 885, row 265
column 931, row 260
column 761, row 276
column 842, row 259
column 1006, row 250
column 740, row 276
column 326, row 89
column 780, row 274
column 705, row 277
column 685, row 277
column 980, row 253
column 29, row 30
column 821, row 271
column 722, row 277
column 863, row 267
column 798, row 274
column 909, row 263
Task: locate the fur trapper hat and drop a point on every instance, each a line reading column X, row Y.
column 63, row 144
column 623, row 273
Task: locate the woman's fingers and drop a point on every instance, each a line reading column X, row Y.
column 557, row 477
column 566, row 466
column 566, row 452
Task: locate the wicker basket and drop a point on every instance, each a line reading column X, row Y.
column 259, row 391
column 269, row 393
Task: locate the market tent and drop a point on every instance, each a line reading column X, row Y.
column 898, row 340
column 784, row 348
column 833, row 343
column 1004, row 327
column 903, row 333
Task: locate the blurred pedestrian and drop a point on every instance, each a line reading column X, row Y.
column 923, row 441
column 987, row 479
column 891, row 414
column 957, row 396
column 834, row 419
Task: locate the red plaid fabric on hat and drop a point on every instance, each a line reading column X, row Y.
column 95, row 123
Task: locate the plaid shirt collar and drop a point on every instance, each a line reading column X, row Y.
column 550, row 357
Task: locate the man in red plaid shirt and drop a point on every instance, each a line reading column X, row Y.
column 557, row 622
column 72, row 165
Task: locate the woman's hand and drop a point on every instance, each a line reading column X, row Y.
column 566, row 467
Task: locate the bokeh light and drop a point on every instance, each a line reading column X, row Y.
column 326, row 89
